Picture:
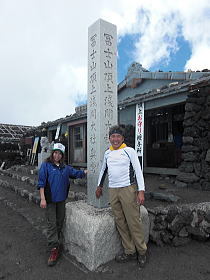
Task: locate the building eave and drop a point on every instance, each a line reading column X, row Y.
column 165, row 91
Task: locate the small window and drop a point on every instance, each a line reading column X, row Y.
column 78, row 137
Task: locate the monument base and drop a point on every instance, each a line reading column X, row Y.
column 90, row 234
column 41, row 157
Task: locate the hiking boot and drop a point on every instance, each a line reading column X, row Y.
column 141, row 260
column 53, row 257
column 126, row 257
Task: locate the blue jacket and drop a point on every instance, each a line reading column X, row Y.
column 58, row 179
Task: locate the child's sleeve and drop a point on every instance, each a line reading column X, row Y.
column 74, row 173
column 42, row 179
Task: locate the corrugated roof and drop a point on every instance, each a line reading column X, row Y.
column 171, row 89
column 12, row 133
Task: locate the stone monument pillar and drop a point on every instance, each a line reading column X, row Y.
column 45, row 151
column 90, row 232
column 102, row 101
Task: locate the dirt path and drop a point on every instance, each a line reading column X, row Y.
column 22, row 252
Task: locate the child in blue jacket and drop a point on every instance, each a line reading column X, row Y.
column 53, row 184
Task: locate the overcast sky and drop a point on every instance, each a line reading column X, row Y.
column 43, row 48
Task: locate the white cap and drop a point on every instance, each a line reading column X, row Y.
column 59, row 147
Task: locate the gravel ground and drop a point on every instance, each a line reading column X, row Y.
column 23, row 254
column 154, row 183
column 165, row 185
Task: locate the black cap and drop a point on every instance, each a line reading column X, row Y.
column 116, row 129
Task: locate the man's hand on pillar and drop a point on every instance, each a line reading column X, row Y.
column 140, row 197
column 99, row 192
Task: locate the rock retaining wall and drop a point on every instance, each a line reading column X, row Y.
column 174, row 225
column 177, row 225
column 194, row 170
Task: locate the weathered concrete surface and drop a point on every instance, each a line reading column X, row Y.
column 144, row 216
column 42, row 157
column 90, row 233
column 102, row 101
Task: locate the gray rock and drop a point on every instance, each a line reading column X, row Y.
column 189, row 122
column 164, row 197
column 183, row 232
column 207, row 216
column 191, row 107
column 163, row 186
column 80, row 182
column 160, row 226
column 24, row 193
column 31, row 182
column 176, row 225
column 201, row 215
column 191, row 131
column 187, row 177
column 147, row 195
column 166, row 237
column 196, row 186
column 145, row 221
column 187, row 140
column 180, row 241
column 188, row 115
column 80, row 196
column 71, row 195
column 189, row 148
column 197, row 100
column 90, row 233
column 155, row 236
column 186, row 215
column 167, row 178
column 206, row 115
column 184, row 218
column 205, row 186
column 208, row 156
column 24, row 178
column 186, row 167
column 36, row 198
column 190, row 156
column 173, row 198
column 179, row 184
column 4, row 184
column 207, row 230
column 172, row 212
column 197, row 233
column 197, row 168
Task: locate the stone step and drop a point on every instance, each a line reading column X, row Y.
column 161, row 230
column 24, row 169
column 22, row 186
column 32, row 180
column 33, row 214
column 26, row 187
column 32, row 173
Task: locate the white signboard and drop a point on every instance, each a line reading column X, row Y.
column 57, row 131
column 139, row 141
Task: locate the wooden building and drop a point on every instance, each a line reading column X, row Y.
column 164, row 96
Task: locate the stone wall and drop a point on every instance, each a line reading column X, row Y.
column 194, row 170
column 177, row 225
column 174, row 225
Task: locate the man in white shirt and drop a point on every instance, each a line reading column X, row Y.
column 123, row 167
